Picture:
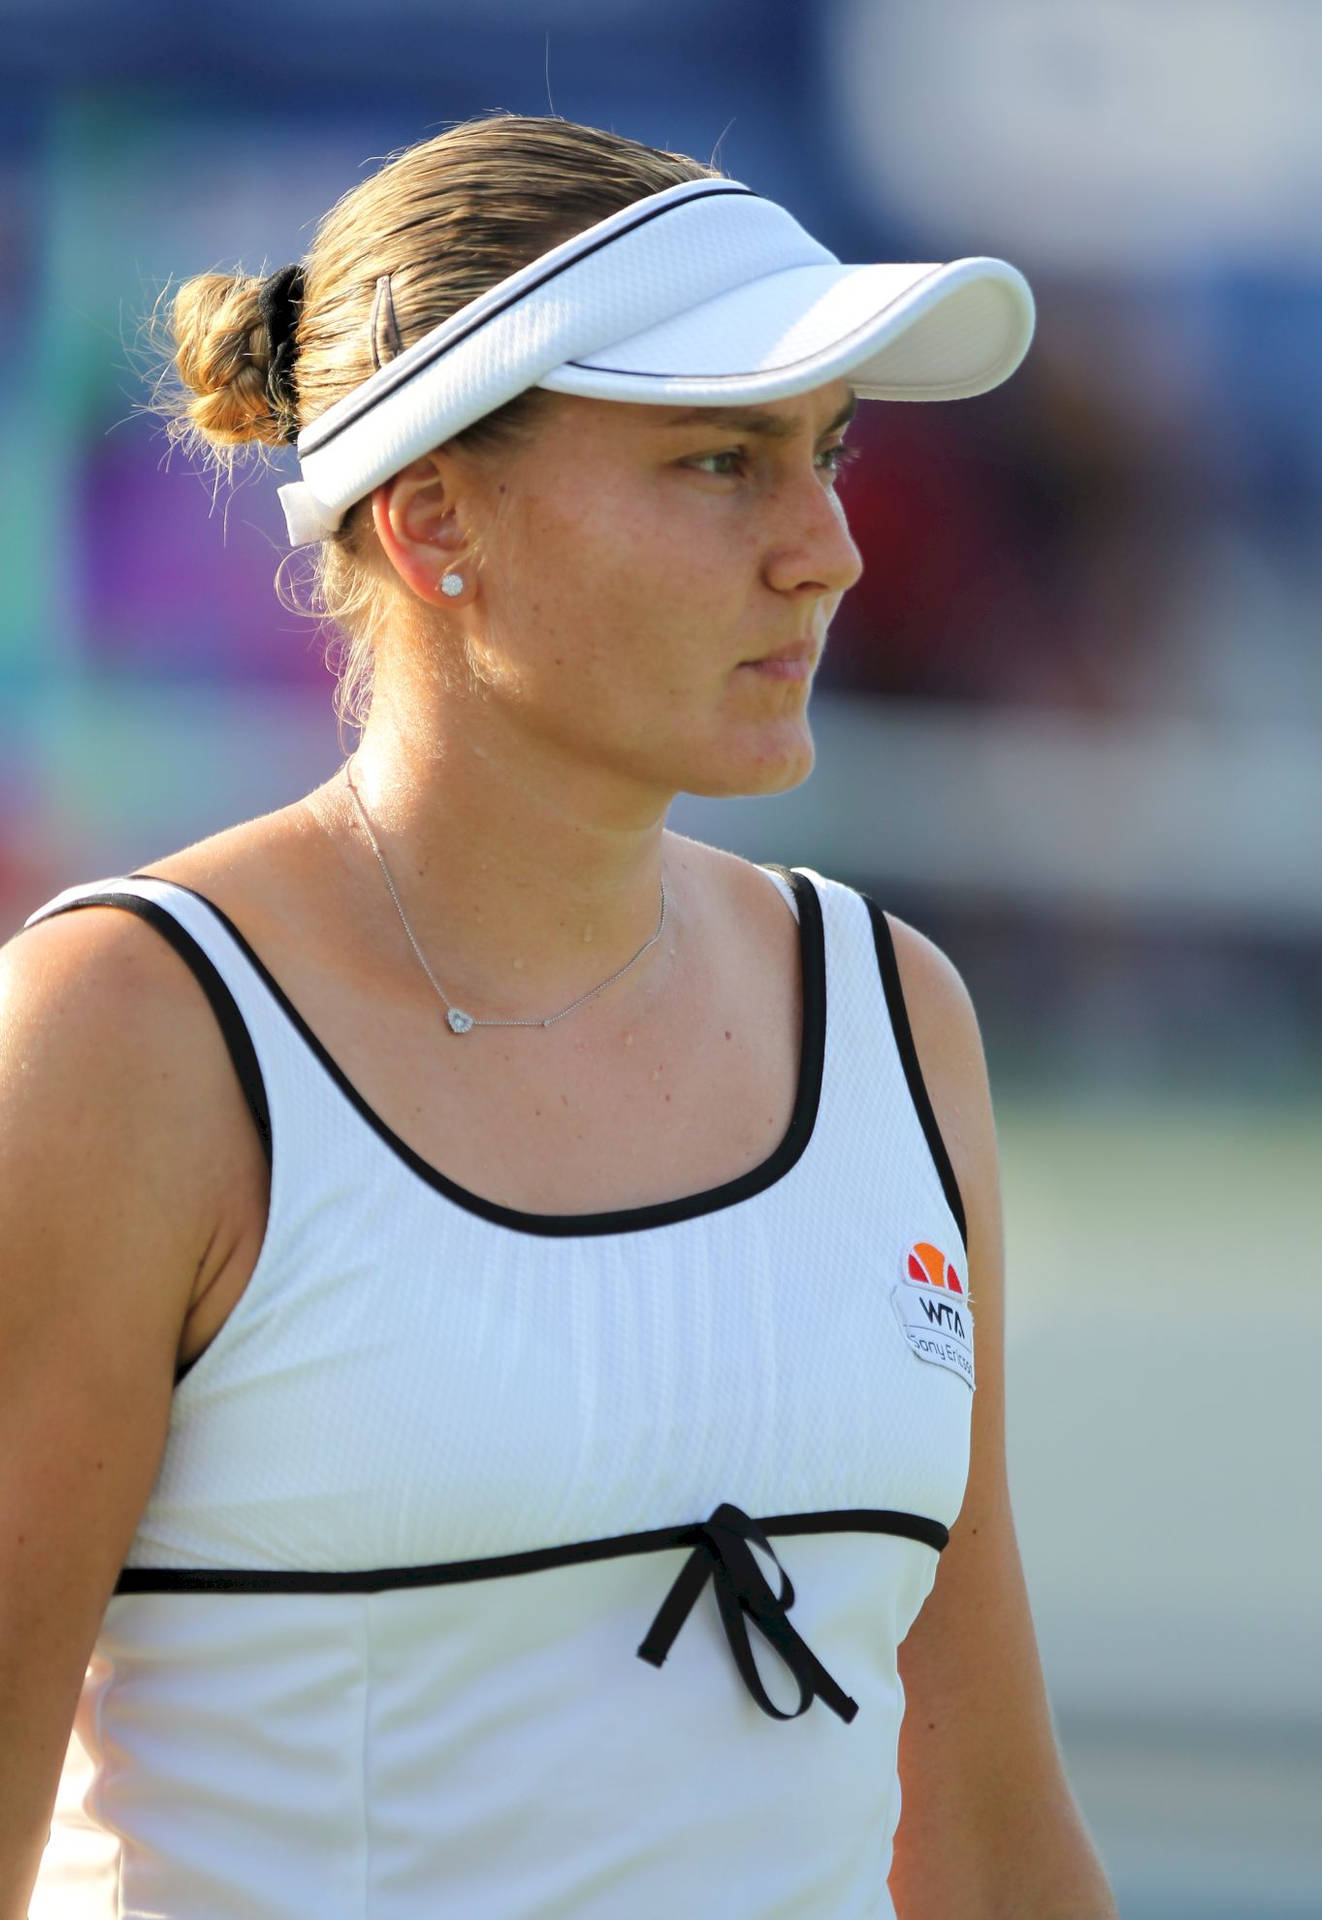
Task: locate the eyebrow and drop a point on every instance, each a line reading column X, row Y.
column 773, row 426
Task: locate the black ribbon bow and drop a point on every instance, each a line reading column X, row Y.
column 721, row 1549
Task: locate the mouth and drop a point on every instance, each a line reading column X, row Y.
column 787, row 663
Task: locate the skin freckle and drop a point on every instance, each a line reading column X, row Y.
column 668, row 1096
column 727, row 1033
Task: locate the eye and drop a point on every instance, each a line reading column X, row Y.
column 730, row 462
column 834, row 460
column 733, row 457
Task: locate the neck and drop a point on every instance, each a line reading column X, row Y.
column 525, row 876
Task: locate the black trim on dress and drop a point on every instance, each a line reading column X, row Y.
column 913, row 1072
column 720, row 1551
column 230, row 1020
column 661, row 1213
column 446, row 1573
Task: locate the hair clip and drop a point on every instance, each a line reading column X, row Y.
column 382, row 326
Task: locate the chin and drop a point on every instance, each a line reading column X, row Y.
column 750, row 773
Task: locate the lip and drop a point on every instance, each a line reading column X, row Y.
column 795, row 662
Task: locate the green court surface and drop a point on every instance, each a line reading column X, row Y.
column 1164, row 1380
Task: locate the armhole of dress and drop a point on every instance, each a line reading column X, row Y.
column 889, row 968
column 231, row 1022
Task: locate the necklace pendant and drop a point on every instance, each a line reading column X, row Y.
column 459, row 1021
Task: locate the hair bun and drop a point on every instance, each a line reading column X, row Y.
column 226, row 356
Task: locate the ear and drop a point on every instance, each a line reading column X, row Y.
column 417, row 521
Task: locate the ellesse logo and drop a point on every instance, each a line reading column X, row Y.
column 928, row 1263
column 931, row 1305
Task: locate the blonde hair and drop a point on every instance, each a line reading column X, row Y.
column 446, row 219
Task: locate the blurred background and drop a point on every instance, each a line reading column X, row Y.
column 1070, row 722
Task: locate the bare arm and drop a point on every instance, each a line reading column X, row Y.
column 989, row 1829
column 108, row 1170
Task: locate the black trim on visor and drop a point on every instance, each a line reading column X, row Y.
column 314, row 438
column 721, row 1551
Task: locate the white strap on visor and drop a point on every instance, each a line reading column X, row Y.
column 643, row 295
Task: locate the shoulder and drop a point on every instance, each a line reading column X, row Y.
column 91, row 973
column 738, row 902
column 114, row 975
column 111, row 1199
column 253, row 861
column 949, row 1056
column 95, row 994
column 273, row 877
column 120, row 1110
column 946, row 1034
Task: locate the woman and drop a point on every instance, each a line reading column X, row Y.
column 546, row 1535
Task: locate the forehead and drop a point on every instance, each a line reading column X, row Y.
column 823, row 410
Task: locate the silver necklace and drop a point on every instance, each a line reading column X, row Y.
column 458, row 1020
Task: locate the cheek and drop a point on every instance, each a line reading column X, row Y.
column 603, row 583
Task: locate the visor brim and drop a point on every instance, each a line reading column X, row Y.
column 916, row 332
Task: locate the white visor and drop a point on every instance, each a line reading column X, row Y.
column 703, row 295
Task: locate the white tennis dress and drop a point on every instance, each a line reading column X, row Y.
column 537, row 1567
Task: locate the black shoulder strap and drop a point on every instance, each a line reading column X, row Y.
column 231, row 1022
column 913, row 1072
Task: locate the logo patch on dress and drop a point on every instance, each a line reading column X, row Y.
column 932, row 1308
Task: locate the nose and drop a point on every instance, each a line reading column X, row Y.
column 812, row 550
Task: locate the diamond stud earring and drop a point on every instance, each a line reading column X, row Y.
column 451, row 584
